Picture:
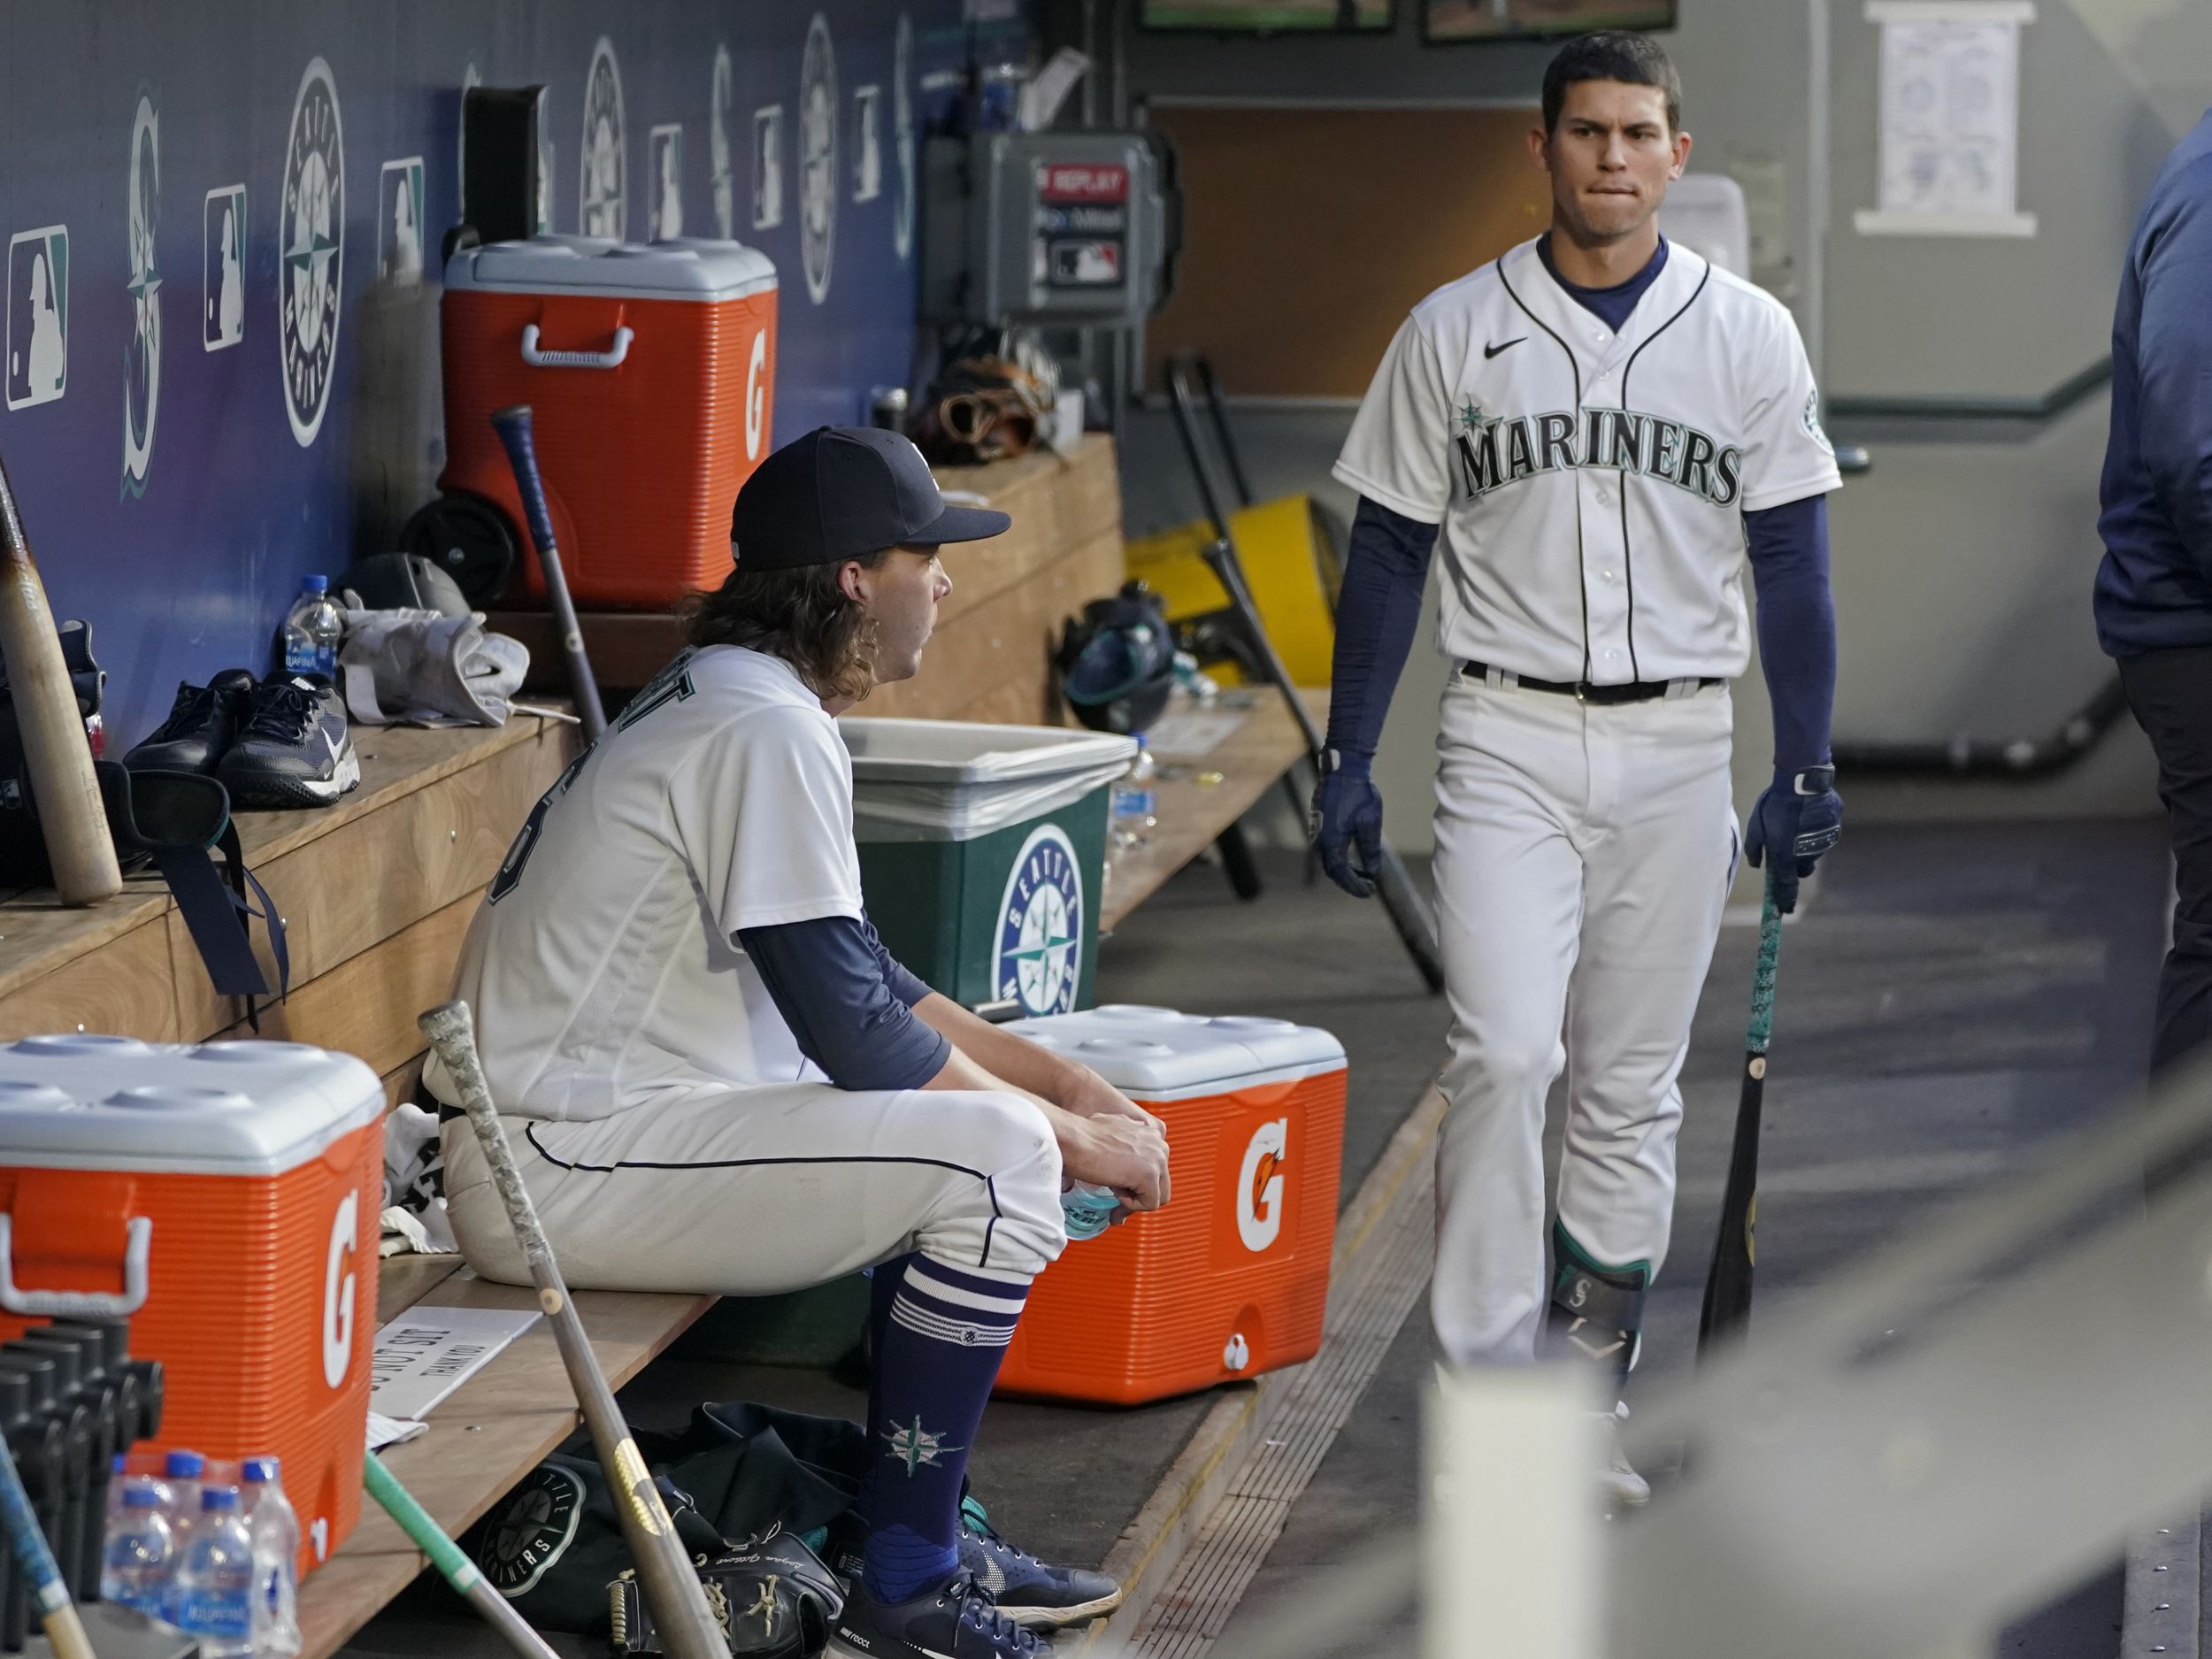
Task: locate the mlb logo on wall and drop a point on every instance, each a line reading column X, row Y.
column 223, row 267
column 667, row 144
column 399, row 222
column 38, row 316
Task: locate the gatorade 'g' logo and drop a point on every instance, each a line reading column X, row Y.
column 1260, row 1186
column 756, row 396
column 338, row 1278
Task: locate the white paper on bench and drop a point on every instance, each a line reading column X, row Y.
column 426, row 1353
column 1187, row 731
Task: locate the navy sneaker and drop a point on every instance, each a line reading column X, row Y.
column 294, row 750
column 202, row 723
column 1029, row 1591
column 957, row 1620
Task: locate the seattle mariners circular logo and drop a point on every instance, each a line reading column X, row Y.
column 818, row 159
column 605, row 208
column 141, row 359
column 1041, row 925
column 532, row 1531
column 311, row 220
column 902, row 135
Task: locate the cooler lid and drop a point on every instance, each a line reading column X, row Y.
column 681, row 268
column 88, row 1101
column 1151, row 1053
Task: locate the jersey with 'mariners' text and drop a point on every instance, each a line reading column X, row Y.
column 1591, row 486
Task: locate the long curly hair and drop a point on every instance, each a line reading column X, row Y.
column 801, row 616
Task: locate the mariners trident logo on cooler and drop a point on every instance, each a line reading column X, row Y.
column 1041, row 925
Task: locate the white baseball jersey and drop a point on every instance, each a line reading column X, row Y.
column 602, row 969
column 1591, row 485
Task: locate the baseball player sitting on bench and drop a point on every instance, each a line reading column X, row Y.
column 1602, row 424
column 718, row 1080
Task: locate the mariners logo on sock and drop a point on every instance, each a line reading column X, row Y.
column 312, row 224
column 918, row 1447
column 1041, row 925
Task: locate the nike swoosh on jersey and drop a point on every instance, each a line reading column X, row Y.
column 1491, row 351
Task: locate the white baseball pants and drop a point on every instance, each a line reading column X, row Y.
column 1583, row 856
column 756, row 1191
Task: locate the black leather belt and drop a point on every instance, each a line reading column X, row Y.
column 1583, row 691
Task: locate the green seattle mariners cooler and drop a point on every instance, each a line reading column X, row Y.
column 982, row 854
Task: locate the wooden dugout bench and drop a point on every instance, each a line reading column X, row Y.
column 378, row 889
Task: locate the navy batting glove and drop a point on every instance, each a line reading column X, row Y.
column 1800, row 817
column 1346, row 827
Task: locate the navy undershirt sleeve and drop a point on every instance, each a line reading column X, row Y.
column 1377, row 612
column 1797, row 626
column 847, row 1001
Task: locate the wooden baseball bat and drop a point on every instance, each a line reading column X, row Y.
column 56, row 1613
column 673, row 1589
column 513, row 427
column 456, row 1569
column 70, row 813
column 1727, row 1306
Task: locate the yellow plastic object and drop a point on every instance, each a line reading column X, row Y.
column 1275, row 540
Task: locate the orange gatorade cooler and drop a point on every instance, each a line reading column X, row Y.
column 1232, row 1278
column 224, row 1198
column 650, row 368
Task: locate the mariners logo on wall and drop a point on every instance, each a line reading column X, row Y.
column 141, row 359
column 471, row 77
column 605, row 202
column 818, row 159
column 532, row 1529
column 311, row 228
column 902, row 135
column 721, row 181
column 1041, row 925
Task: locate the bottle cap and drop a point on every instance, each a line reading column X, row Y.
column 315, row 584
column 115, row 1464
column 187, row 1465
column 219, row 1498
column 256, row 1469
column 140, row 1497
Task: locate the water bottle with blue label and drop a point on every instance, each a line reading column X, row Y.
column 140, row 1551
column 210, row 1593
column 1133, row 801
column 312, row 630
column 1088, row 1211
column 276, row 1552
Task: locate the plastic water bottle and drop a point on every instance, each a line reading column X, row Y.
column 276, row 1553
column 211, row 1593
column 141, row 1549
column 1088, row 1211
column 1133, row 801
column 179, row 1484
column 311, row 631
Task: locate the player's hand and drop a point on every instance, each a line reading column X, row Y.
column 1121, row 1153
column 1090, row 1095
column 1347, row 825
column 1799, row 819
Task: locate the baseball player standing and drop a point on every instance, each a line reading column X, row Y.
column 1596, row 427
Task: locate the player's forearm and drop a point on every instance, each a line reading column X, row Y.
column 999, row 1053
column 1378, row 614
column 1797, row 628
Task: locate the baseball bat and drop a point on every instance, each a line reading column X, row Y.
column 513, row 427
column 1727, row 1306
column 672, row 1590
column 70, row 813
column 457, row 1569
column 56, row 1613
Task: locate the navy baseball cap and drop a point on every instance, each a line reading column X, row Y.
column 841, row 492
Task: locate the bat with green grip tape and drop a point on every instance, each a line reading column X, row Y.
column 1727, row 1307
column 452, row 1564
